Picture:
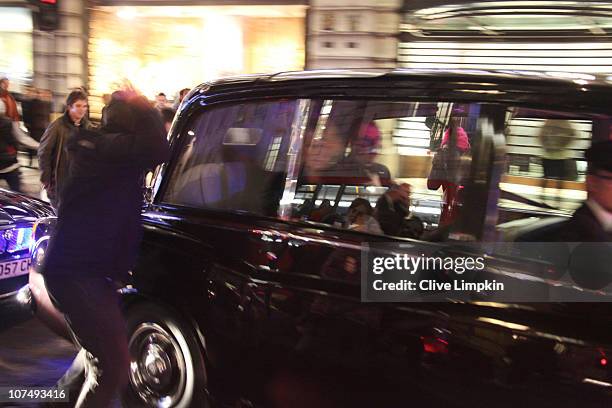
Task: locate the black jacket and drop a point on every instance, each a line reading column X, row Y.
column 390, row 216
column 8, row 143
column 99, row 225
column 53, row 156
column 584, row 227
column 36, row 113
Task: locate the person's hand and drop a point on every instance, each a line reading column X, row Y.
column 401, row 194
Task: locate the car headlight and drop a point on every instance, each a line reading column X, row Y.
column 15, row 239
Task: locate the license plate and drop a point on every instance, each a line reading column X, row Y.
column 10, row 269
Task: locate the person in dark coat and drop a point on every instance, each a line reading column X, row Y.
column 393, row 213
column 97, row 236
column 36, row 114
column 592, row 222
column 53, row 158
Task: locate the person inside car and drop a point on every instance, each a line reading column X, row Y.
column 323, row 154
column 327, row 161
column 592, row 222
column 360, row 217
column 393, row 213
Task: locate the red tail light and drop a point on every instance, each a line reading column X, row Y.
column 434, row 345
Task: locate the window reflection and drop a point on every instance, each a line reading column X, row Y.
column 367, row 165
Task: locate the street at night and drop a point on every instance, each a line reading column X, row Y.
column 305, row 204
column 30, row 355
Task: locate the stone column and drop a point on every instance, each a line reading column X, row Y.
column 60, row 57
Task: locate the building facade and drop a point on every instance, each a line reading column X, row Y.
column 353, row 34
column 54, row 60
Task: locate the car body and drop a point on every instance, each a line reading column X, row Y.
column 242, row 300
column 18, row 214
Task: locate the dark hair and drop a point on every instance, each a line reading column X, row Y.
column 119, row 116
column 599, row 157
column 363, row 203
column 161, row 94
column 167, row 115
column 76, row 95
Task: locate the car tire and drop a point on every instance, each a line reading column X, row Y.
column 167, row 366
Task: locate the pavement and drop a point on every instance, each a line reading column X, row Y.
column 30, row 176
column 30, row 354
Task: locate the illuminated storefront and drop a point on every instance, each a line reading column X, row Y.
column 560, row 39
column 567, row 36
column 16, row 49
column 167, row 48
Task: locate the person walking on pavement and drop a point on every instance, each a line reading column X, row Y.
column 96, row 239
column 9, row 167
column 53, row 158
column 36, row 112
column 9, row 102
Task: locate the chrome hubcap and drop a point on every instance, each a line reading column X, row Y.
column 157, row 368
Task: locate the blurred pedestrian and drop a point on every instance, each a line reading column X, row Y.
column 53, row 158
column 9, row 102
column 161, row 102
column 182, row 94
column 449, row 169
column 9, row 168
column 96, row 240
column 106, row 98
column 36, row 114
column 167, row 118
column 556, row 137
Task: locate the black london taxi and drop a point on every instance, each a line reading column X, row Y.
column 248, row 289
column 18, row 214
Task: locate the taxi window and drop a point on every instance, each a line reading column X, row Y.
column 234, row 158
column 385, row 168
column 545, row 173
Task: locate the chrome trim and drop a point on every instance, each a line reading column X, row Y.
column 158, row 367
column 8, row 295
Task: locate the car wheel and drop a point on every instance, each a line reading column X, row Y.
column 167, row 367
